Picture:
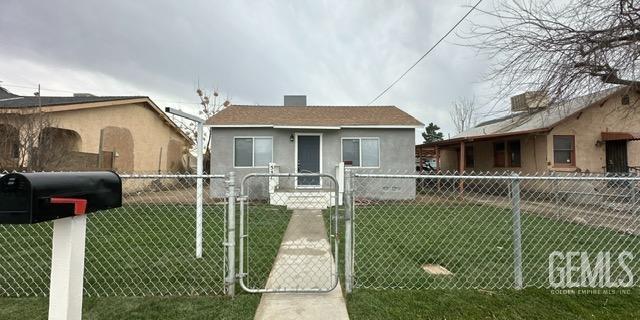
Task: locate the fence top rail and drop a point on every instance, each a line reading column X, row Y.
column 172, row 176
column 290, row 174
column 488, row 177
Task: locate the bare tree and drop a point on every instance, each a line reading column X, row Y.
column 565, row 48
column 31, row 142
column 463, row 114
column 210, row 104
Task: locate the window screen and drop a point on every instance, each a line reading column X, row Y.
column 370, row 152
column 351, row 152
column 243, row 152
column 262, row 149
column 563, row 150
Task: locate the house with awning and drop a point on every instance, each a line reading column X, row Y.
column 594, row 133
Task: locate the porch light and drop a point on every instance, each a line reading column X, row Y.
column 291, row 137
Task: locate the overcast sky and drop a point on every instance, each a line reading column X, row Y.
column 335, row 52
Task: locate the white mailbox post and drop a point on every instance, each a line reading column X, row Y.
column 67, row 268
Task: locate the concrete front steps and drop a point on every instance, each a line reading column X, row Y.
column 303, row 199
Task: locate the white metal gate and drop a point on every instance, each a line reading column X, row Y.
column 288, row 237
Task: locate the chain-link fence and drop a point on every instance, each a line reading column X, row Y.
column 402, row 231
column 144, row 248
column 494, row 231
column 288, row 229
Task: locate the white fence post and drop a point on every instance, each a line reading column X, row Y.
column 67, row 268
column 231, row 236
column 348, row 228
column 199, row 191
column 517, row 236
column 340, row 177
column 274, row 181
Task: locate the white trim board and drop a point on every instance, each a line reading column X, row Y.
column 306, row 127
column 315, row 127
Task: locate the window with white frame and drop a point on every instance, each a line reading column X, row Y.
column 361, row 152
column 252, row 151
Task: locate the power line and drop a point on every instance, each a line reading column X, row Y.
column 2, row 84
column 426, row 53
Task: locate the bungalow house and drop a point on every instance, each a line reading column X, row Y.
column 87, row 132
column 296, row 138
column 595, row 133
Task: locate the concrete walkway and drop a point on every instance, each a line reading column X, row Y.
column 304, row 261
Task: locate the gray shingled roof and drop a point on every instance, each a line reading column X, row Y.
column 522, row 122
column 10, row 100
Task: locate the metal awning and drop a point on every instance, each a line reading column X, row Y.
column 609, row 136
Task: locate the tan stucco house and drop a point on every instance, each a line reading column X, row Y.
column 594, row 133
column 122, row 133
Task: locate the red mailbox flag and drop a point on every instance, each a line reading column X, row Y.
column 79, row 205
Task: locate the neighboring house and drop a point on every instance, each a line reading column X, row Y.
column 299, row 138
column 122, row 133
column 594, row 133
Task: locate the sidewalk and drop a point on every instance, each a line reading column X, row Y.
column 304, row 261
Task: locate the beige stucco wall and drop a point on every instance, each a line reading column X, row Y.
column 587, row 127
column 120, row 141
column 150, row 133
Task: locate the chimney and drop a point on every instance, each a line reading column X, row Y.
column 529, row 101
column 83, row 94
column 295, row 101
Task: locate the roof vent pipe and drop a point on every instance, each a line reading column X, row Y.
column 295, row 101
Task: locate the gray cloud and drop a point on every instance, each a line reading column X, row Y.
column 336, row 52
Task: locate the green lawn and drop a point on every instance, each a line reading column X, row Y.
column 538, row 304
column 149, row 250
column 203, row 307
column 142, row 250
column 474, row 242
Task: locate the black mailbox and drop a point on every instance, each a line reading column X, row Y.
column 35, row 197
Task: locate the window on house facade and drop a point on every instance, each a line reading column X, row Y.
column 564, row 152
column 253, row 151
column 361, row 152
column 498, row 154
column 469, row 161
column 513, row 153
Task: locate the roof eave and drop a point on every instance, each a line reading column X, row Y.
column 485, row 137
column 327, row 127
